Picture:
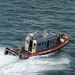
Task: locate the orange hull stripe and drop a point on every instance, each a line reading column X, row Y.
column 46, row 51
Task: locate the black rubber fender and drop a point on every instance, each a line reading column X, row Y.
column 5, row 52
column 20, row 56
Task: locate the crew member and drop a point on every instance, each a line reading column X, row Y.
column 58, row 38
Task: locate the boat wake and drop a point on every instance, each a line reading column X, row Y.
column 11, row 65
column 6, row 59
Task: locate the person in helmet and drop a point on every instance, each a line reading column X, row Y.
column 58, row 38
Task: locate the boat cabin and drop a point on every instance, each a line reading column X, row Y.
column 38, row 42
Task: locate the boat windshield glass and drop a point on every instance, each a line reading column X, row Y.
column 27, row 41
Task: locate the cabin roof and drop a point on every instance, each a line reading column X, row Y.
column 41, row 37
column 44, row 39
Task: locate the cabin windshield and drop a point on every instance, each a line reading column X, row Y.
column 27, row 41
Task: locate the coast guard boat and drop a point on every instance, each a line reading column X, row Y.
column 38, row 44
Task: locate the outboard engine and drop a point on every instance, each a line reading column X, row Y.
column 6, row 51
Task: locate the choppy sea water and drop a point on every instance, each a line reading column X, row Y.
column 20, row 17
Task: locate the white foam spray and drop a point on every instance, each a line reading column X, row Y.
column 6, row 59
column 33, row 65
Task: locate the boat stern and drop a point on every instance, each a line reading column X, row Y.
column 10, row 51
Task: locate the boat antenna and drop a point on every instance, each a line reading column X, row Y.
column 44, row 34
column 45, row 31
column 50, row 31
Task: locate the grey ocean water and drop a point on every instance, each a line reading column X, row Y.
column 19, row 17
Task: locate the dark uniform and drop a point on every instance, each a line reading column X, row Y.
column 58, row 38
